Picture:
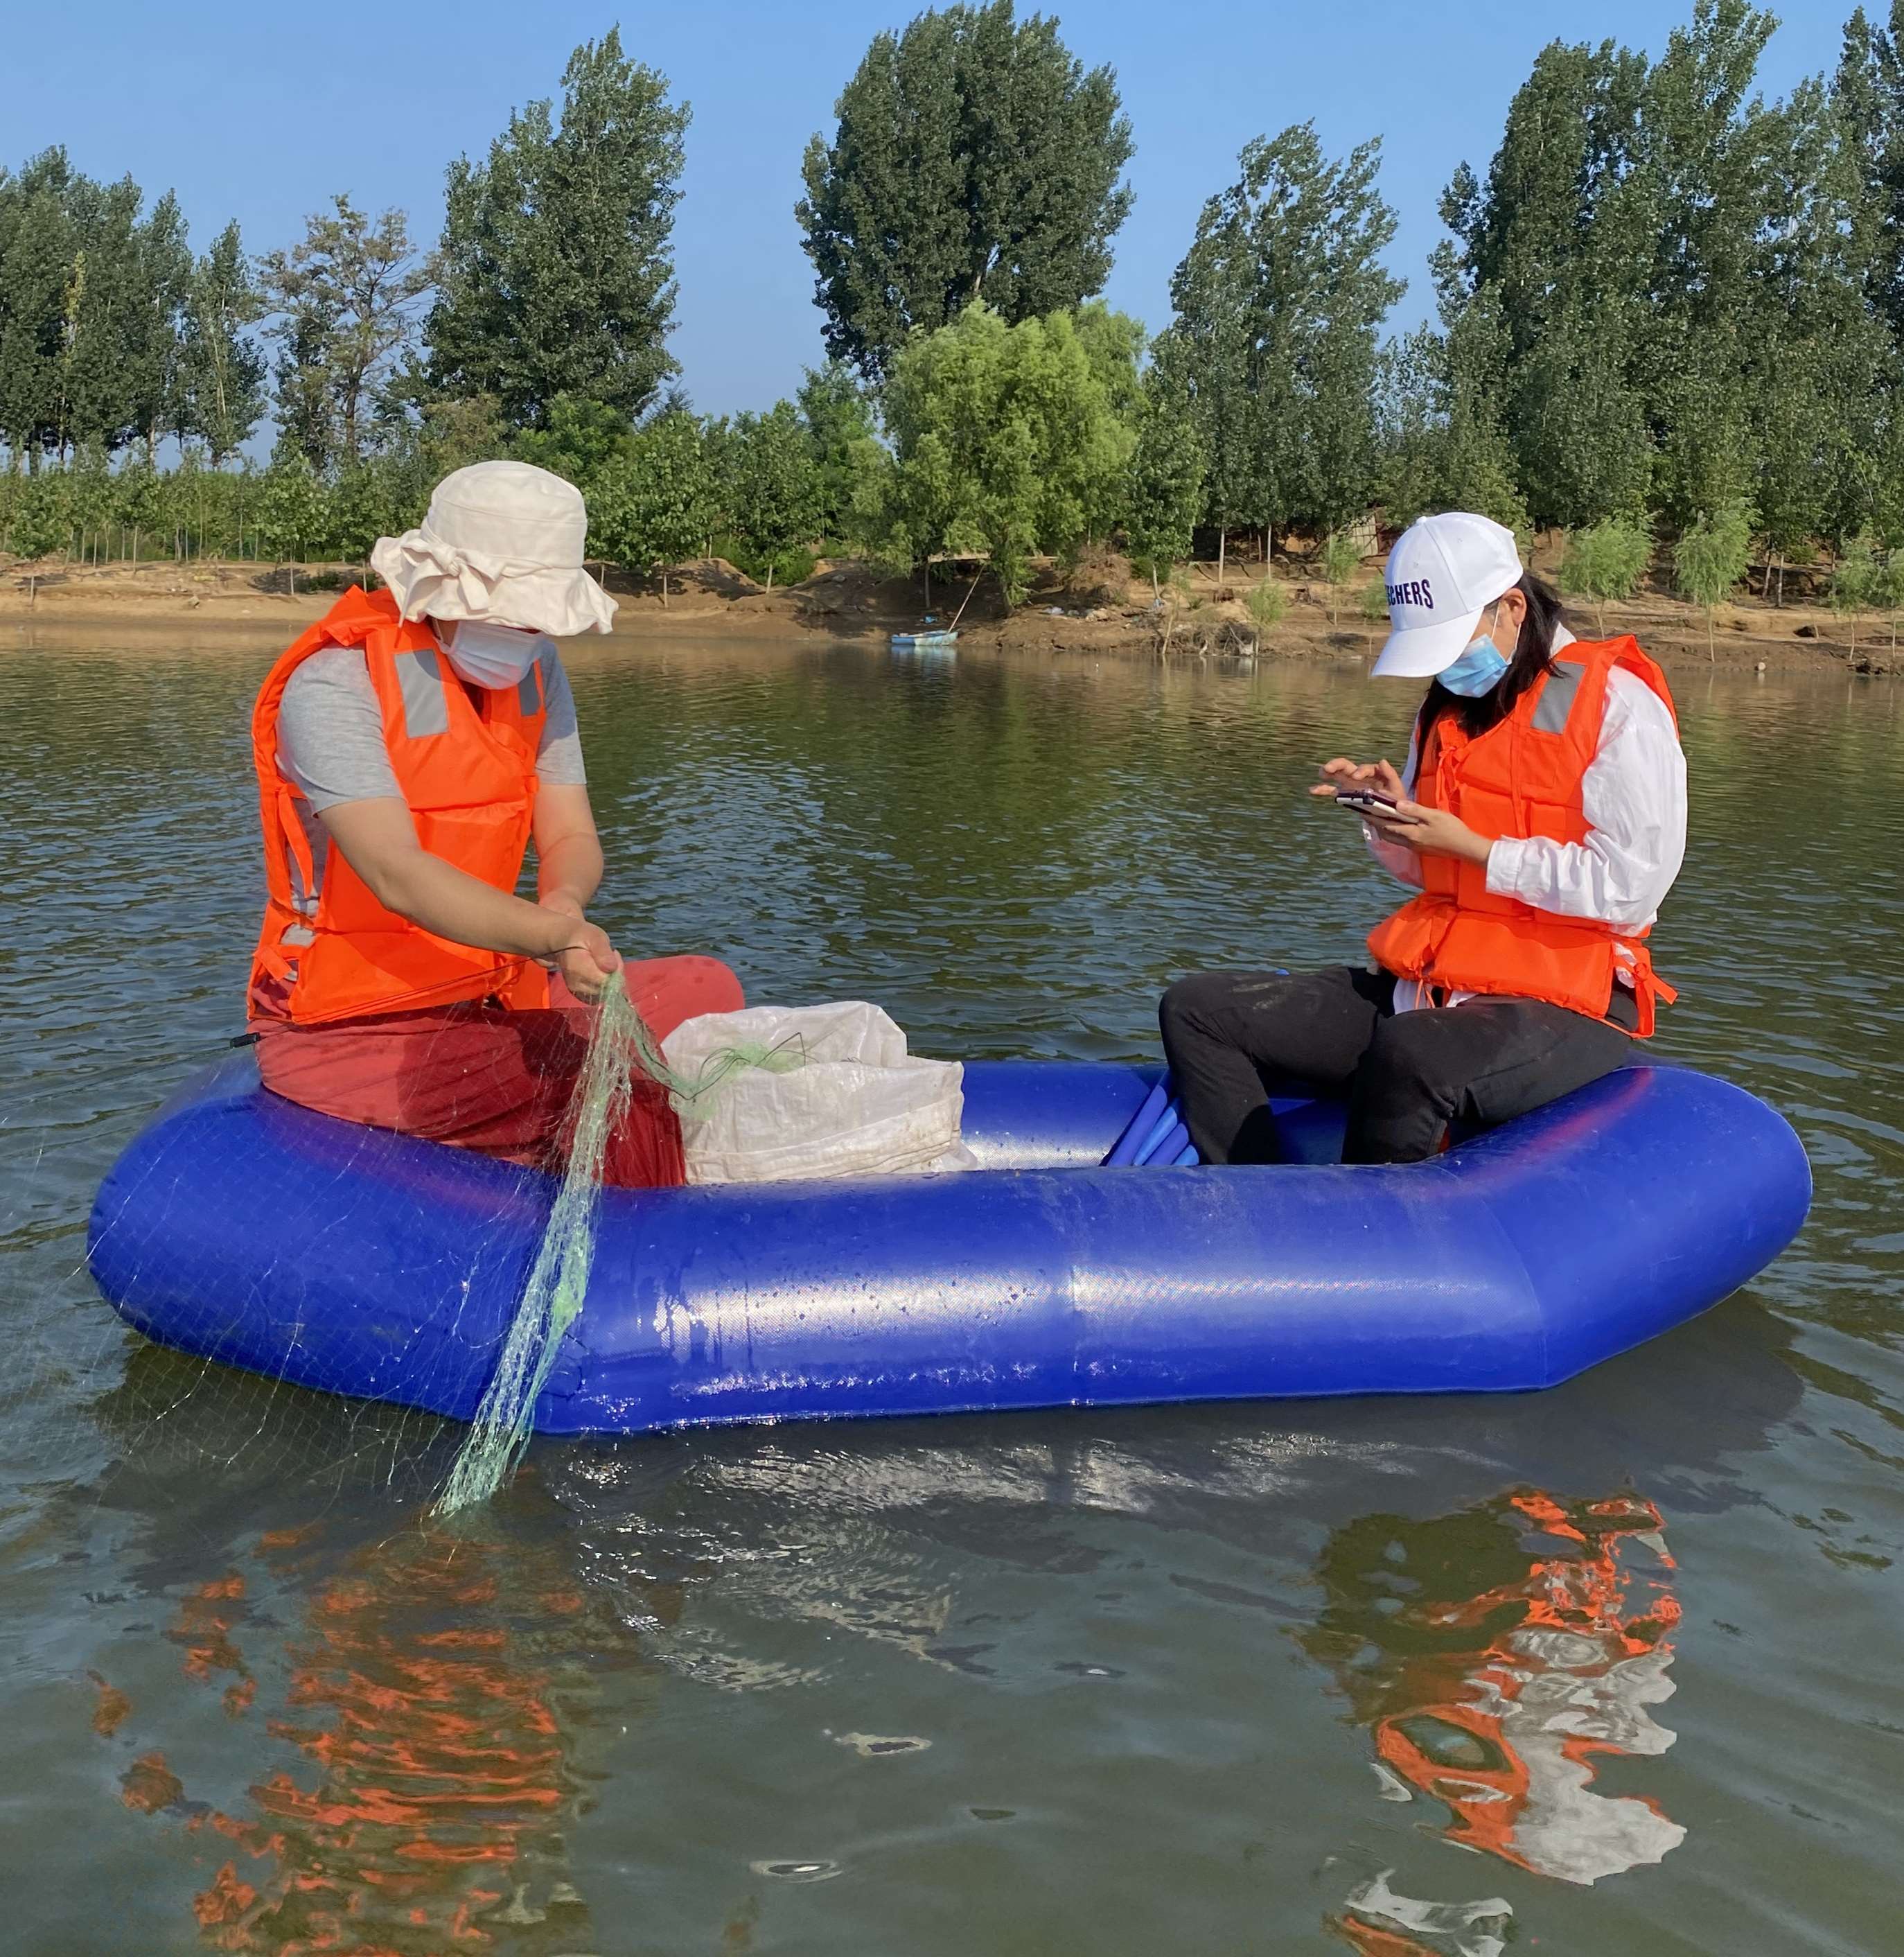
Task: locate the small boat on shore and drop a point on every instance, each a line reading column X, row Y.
column 240, row 1227
column 925, row 642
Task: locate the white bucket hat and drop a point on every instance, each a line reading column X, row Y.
column 1443, row 573
column 501, row 541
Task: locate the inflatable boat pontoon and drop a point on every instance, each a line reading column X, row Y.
column 240, row 1227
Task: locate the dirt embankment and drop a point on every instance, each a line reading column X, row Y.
column 1101, row 611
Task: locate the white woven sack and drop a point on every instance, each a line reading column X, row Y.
column 857, row 1105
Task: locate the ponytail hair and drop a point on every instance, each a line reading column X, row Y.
column 1534, row 655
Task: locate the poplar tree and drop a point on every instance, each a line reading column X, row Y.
column 1554, row 243
column 150, row 345
column 36, row 258
column 1868, row 92
column 974, row 159
column 111, row 373
column 1164, row 494
column 1705, row 147
column 557, row 274
column 839, row 420
column 1277, row 306
column 221, row 372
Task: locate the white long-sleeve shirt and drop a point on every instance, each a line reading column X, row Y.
column 1633, row 797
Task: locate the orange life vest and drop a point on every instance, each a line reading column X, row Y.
column 328, row 949
column 1523, row 778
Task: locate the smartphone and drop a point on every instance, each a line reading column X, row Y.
column 1361, row 800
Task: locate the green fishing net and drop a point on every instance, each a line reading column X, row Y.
column 558, row 1280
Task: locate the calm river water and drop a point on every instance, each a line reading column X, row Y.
column 1611, row 1670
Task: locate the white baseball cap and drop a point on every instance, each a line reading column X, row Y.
column 1443, row 572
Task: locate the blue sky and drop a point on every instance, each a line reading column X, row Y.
column 261, row 113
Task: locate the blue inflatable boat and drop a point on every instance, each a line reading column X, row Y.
column 348, row 1258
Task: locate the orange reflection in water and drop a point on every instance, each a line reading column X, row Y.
column 1495, row 1698
column 422, row 1690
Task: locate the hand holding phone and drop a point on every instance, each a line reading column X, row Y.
column 1359, row 785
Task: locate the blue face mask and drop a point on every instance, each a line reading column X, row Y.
column 1477, row 672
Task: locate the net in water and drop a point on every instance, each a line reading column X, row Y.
column 558, row 1280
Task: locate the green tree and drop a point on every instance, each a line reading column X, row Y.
column 557, row 274
column 344, row 298
column 151, row 345
column 1204, row 355
column 1277, row 306
column 1005, row 445
column 580, row 438
column 1607, row 559
column 1869, row 94
column 363, row 502
column 1410, row 422
column 1474, row 462
column 221, row 372
column 974, row 159
column 1682, row 279
column 102, row 349
column 651, row 507
column 37, row 251
column 771, row 492
column 293, row 512
column 1887, row 592
column 1819, row 333
column 839, row 418
column 1164, row 494
column 1710, row 558
column 41, row 522
column 1554, row 246
column 1857, row 579
column 1338, row 560
column 139, row 503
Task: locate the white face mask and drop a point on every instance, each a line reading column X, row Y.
column 491, row 656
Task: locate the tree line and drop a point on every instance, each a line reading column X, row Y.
column 1668, row 311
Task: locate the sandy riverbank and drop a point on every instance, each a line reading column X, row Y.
column 1104, row 615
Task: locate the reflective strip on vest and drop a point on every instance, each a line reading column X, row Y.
column 426, row 710
column 1557, row 697
column 529, row 695
column 301, row 899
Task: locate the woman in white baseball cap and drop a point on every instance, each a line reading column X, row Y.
column 411, row 748
column 1541, row 817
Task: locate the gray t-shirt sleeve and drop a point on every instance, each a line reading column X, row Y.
column 559, row 758
column 330, row 731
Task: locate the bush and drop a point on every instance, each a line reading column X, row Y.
column 1375, row 608
column 1339, row 560
column 792, row 566
column 1857, row 580
column 1266, row 602
column 1606, row 560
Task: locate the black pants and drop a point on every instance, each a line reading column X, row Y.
column 1229, row 1036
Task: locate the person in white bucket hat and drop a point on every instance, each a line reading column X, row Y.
column 411, row 748
column 1541, row 818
